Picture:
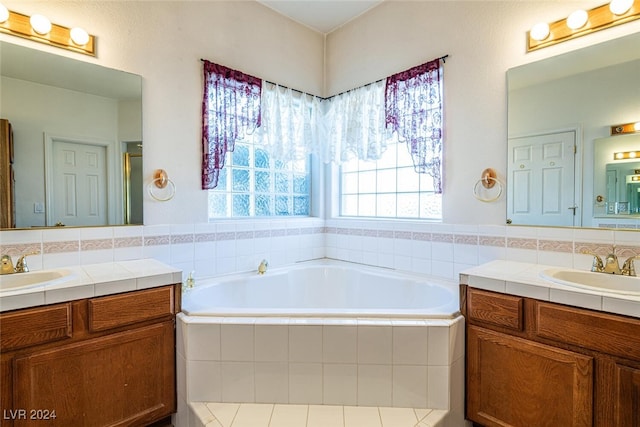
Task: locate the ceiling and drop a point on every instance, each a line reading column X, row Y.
column 323, row 16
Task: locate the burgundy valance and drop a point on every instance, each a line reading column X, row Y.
column 230, row 111
column 413, row 109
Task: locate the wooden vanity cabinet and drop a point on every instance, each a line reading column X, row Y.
column 535, row 363
column 105, row 361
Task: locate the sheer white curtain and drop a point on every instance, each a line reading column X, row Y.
column 352, row 124
column 290, row 123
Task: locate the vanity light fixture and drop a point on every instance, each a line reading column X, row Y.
column 625, row 128
column 624, row 155
column 39, row 28
column 540, row 31
column 4, row 13
column 620, row 7
column 577, row 19
column 581, row 23
column 40, row 24
column 79, row 36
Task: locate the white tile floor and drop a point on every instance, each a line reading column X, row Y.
column 206, row 414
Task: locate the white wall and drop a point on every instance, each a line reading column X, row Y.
column 483, row 39
column 163, row 41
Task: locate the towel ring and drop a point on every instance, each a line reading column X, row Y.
column 488, row 181
column 161, row 180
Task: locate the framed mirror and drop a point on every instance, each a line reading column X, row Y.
column 75, row 126
column 557, row 109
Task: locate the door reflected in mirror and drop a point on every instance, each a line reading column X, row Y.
column 585, row 91
column 72, row 124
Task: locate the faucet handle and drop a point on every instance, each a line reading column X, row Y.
column 628, row 268
column 6, row 265
column 21, row 264
column 598, row 264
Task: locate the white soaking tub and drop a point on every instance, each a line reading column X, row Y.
column 324, row 288
column 323, row 332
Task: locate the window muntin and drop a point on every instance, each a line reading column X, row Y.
column 388, row 188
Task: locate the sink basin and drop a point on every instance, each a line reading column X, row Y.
column 615, row 283
column 33, row 278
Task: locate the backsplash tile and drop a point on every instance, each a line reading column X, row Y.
column 233, row 246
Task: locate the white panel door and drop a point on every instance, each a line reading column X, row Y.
column 541, row 173
column 79, row 178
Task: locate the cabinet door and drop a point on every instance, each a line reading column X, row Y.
column 519, row 383
column 627, row 403
column 121, row 379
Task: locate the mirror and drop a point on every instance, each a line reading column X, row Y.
column 556, row 104
column 617, row 181
column 75, row 126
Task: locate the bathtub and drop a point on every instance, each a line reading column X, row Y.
column 324, row 288
column 323, row 332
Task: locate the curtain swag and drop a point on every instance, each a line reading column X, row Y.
column 230, row 111
column 413, row 108
column 350, row 124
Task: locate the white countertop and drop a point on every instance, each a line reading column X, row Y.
column 524, row 279
column 93, row 280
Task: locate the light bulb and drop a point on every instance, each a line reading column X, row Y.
column 4, row 13
column 618, row 156
column 40, row 24
column 79, row 36
column 636, row 126
column 620, row 7
column 577, row 19
column 540, row 31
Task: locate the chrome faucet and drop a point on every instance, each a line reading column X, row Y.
column 262, row 268
column 611, row 265
column 6, row 265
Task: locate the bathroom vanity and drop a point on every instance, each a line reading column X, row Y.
column 96, row 361
column 535, row 359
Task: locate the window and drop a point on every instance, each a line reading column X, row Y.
column 406, row 180
column 388, row 187
column 253, row 184
column 263, row 174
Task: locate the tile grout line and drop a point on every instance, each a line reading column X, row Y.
column 235, row 414
column 273, row 409
column 306, row 424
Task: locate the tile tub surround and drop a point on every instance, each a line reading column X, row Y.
column 309, row 361
column 212, row 414
column 233, row 246
column 93, row 280
column 208, row 249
